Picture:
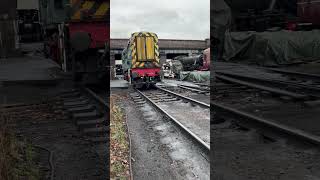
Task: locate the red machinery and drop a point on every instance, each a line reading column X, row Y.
column 88, row 33
column 308, row 11
column 206, row 60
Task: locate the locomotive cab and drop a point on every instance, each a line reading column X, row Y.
column 141, row 61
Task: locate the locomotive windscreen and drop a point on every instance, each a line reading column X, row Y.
column 145, row 48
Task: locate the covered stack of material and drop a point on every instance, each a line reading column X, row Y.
column 8, row 33
column 177, row 67
column 220, row 23
column 195, row 76
column 272, row 48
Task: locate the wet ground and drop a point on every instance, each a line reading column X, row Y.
column 159, row 149
column 195, row 118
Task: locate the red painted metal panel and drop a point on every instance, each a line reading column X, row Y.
column 309, row 11
column 99, row 31
column 206, row 60
column 150, row 72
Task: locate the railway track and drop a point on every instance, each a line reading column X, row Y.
column 265, row 125
column 190, row 115
column 237, row 97
column 262, row 115
column 89, row 112
column 292, row 84
column 200, row 90
column 306, row 78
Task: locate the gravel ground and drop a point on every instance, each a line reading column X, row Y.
column 73, row 156
column 196, row 119
column 159, row 149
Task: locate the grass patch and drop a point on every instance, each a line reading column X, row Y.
column 119, row 145
column 17, row 158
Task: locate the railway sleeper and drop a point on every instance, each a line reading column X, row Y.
column 96, row 131
column 70, row 100
column 90, row 123
column 87, row 115
column 71, row 95
column 76, row 103
column 81, row 109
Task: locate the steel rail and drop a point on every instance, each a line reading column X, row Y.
column 311, row 90
column 184, row 97
column 265, row 88
column 202, row 84
column 297, row 133
column 197, row 138
column 103, row 103
column 308, row 76
column 199, row 90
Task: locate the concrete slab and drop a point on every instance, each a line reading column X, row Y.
column 28, row 69
column 119, row 84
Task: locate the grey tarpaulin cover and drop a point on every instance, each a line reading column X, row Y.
column 195, row 76
column 272, row 48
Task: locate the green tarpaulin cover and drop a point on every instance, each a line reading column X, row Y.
column 272, row 48
column 195, row 76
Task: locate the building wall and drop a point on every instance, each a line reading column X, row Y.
column 167, row 44
column 166, row 47
column 28, row 4
column 51, row 14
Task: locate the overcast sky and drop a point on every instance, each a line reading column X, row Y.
column 169, row 19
